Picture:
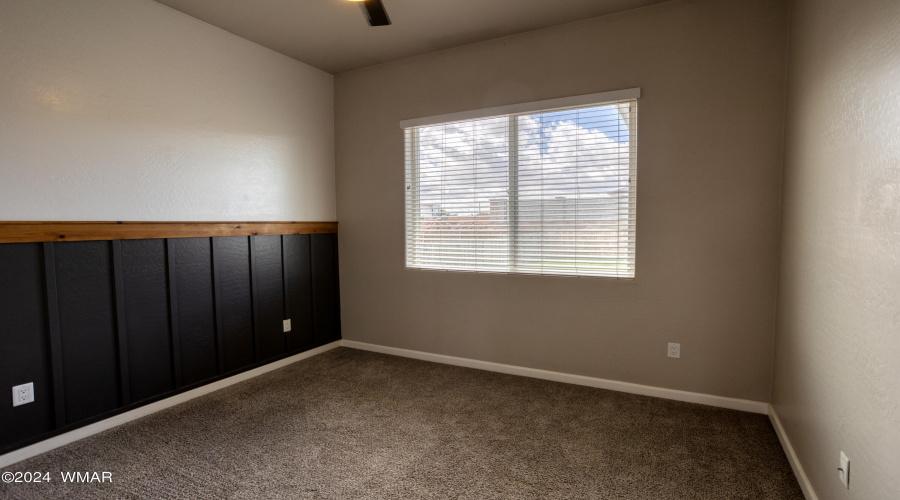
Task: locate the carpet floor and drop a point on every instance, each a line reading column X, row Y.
column 352, row 424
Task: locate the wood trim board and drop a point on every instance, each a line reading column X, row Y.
column 41, row 231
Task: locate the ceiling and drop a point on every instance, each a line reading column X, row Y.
column 332, row 35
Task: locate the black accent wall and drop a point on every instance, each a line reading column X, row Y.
column 102, row 327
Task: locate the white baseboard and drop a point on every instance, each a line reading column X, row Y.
column 613, row 385
column 805, row 485
column 97, row 427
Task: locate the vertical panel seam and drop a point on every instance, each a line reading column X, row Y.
column 254, row 299
column 309, row 278
column 122, row 336
column 217, row 307
column 285, row 304
column 59, row 399
column 312, row 292
column 336, row 276
column 173, row 312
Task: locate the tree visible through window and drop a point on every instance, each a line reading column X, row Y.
column 551, row 192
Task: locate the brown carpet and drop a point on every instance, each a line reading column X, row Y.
column 352, row 424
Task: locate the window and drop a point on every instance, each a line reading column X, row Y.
column 540, row 188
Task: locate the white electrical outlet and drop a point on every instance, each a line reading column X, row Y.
column 844, row 471
column 287, row 325
column 674, row 350
column 23, row 394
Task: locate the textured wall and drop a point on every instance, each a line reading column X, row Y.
column 708, row 188
column 128, row 110
column 837, row 355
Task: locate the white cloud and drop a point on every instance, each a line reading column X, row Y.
column 464, row 165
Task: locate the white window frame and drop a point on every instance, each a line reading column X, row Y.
column 412, row 204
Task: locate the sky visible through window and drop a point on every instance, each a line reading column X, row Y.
column 536, row 193
column 580, row 151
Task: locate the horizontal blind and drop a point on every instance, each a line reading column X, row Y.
column 543, row 192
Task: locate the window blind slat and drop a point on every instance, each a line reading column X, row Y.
column 547, row 192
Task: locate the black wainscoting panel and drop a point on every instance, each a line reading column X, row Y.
column 196, row 313
column 24, row 344
column 233, row 263
column 102, row 327
column 326, row 300
column 268, row 311
column 298, row 290
column 87, row 328
column 147, row 318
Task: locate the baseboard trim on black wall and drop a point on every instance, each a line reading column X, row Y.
column 147, row 409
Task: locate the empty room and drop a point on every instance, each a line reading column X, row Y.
column 410, row 249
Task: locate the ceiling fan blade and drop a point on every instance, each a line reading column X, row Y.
column 374, row 12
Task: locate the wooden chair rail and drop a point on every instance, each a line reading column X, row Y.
column 29, row 232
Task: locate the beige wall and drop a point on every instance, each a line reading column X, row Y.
column 837, row 355
column 710, row 152
column 129, row 110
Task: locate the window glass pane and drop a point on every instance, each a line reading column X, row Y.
column 543, row 193
column 574, row 192
column 463, row 195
